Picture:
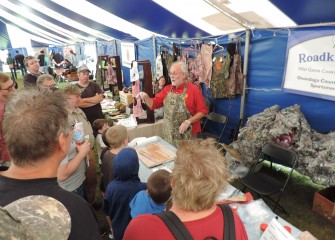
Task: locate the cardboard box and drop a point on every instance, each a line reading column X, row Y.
column 324, row 203
column 126, row 98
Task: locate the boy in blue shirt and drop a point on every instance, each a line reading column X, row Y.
column 154, row 198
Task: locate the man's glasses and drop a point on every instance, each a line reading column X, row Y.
column 9, row 88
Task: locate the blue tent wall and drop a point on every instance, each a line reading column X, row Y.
column 266, row 68
column 267, row 56
column 125, row 70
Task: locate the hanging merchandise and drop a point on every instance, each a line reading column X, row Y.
column 176, row 52
column 220, row 75
column 134, row 75
column 159, row 67
column 137, row 106
column 195, row 65
column 111, row 75
column 164, row 52
column 234, row 84
column 169, row 59
column 206, row 56
column 135, row 90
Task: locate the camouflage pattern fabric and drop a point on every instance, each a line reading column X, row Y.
column 235, row 82
column 175, row 112
column 35, row 217
column 316, row 152
column 219, row 77
column 169, row 61
column 206, row 56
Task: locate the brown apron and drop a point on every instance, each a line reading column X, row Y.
column 175, row 113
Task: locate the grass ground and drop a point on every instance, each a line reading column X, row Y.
column 297, row 200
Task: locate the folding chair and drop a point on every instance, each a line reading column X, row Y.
column 265, row 185
column 212, row 118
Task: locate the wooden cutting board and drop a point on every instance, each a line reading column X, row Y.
column 155, row 154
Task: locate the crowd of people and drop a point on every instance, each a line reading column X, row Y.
column 40, row 155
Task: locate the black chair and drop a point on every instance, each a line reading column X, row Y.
column 212, row 118
column 266, row 185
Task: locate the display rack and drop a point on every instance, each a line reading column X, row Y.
column 146, row 86
column 103, row 64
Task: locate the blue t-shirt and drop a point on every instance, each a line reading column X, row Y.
column 142, row 203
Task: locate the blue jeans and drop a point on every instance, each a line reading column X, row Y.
column 80, row 191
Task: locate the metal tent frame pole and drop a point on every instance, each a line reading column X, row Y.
column 227, row 12
column 154, row 53
column 245, row 76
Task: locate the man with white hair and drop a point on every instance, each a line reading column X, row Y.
column 183, row 103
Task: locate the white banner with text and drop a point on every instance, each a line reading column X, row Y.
column 128, row 53
column 310, row 64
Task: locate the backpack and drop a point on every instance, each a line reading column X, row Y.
column 180, row 232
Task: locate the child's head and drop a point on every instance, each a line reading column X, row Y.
column 103, row 137
column 126, row 165
column 159, row 186
column 99, row 125
column 117, row 136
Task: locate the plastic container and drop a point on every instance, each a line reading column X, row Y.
column 78, row 133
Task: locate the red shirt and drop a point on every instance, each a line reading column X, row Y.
column 193, row 99
column 149, row 227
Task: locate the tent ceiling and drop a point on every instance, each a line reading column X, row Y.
column 63, row 22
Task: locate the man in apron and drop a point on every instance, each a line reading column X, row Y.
column 183, row 105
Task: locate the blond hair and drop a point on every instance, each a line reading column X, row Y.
column 199, row 175
column 116, row 136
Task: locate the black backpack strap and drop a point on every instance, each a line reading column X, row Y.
column 180, row 232
column 229, row 223
column 176, row 226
